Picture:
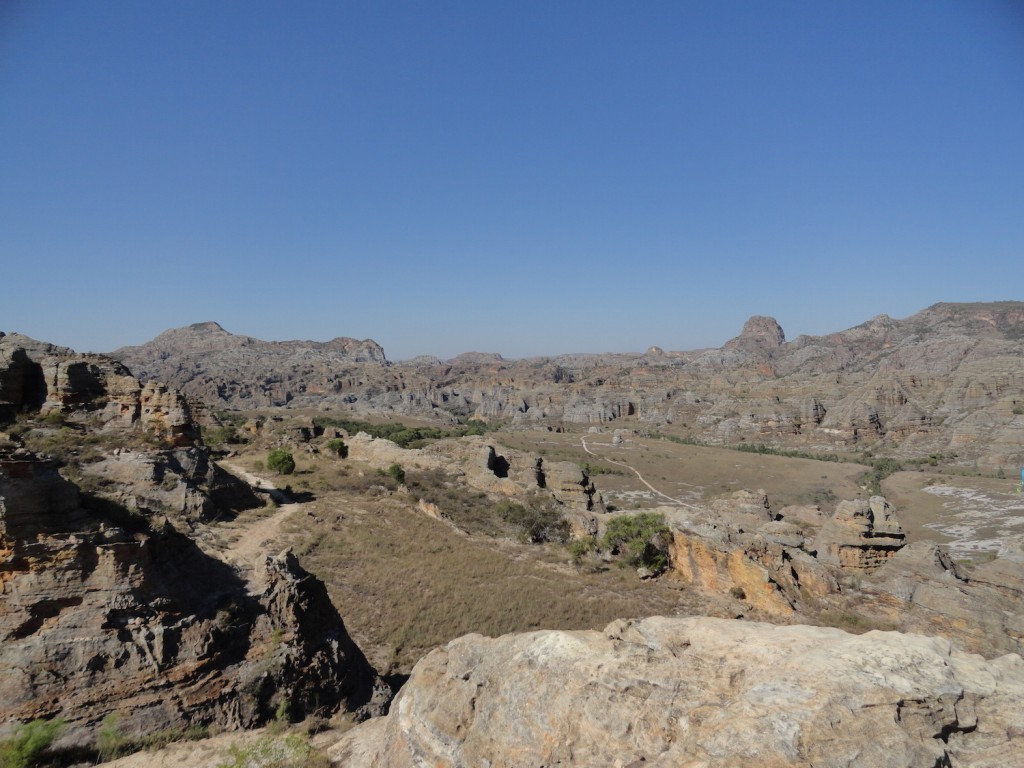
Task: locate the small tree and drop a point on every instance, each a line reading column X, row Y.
column 642, row 538
column 396, row 473
column 281, row 461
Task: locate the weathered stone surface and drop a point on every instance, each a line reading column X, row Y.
column 861, row 535
column 921, row 589
column 181, row 483
column 35, row 376
column 102, row 611
column 206, row 361
column 492, row 469
column 699, row 691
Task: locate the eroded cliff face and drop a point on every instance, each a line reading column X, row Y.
column 946, row 380
column 852, row 568
column 106, row 605
column 699, row 691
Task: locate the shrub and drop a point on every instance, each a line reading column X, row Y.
column 222, row 435
column 292, row 751
column 281, row 461
column 396, row 473
column 642, row 539
column 535, row 524
column 337, row 447
column 580, row 548
column 880, row 469
column 110, row 742
column 25, row 748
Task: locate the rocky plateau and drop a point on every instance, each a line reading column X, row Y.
column 946, row 380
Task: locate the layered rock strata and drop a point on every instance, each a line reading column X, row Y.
column 103, row 611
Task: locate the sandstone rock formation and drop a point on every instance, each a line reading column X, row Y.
column 105, row 611
column 35, row 376
column 495, row 470
column 699, row 691
column 946, row 380
column 105, row 605
column 862, row 534
column 852, row 568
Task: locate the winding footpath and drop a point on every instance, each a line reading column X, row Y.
column 636, row 472
column 256, row 540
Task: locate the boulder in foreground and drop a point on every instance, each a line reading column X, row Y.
column 700, row 691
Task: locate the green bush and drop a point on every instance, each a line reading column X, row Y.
column 396, row 473
column 337, row 447
column 580, row 548
column 642, row 539
column 25, row 748
column 281, row 461
column 880, row 469
column 535, row 524
column 401, row 434
column 110, row 742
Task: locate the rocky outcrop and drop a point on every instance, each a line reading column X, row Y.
column 105, row 610
column 499, row 471
column 852, row 569
column 106, row 606
column 699, row 691
column 759, row 333
column 946, row 380
column 181, row 483
column 861, row 535
column 40, row 377
column 739, row 547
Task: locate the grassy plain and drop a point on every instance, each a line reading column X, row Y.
column 406, row 582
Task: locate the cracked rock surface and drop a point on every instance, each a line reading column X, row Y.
column 700, row 691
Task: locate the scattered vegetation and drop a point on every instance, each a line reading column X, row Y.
column 402, row 434
column 112, row 743
column 396, row 473
column 291, row 751
column 880, row 469
column 337, row 447
column 771, row 451
column 601, row 469
column 281, row 461
column 26, row 748
column 580, row 548
column 642, row 540
column 535, row 524
column 449, row 584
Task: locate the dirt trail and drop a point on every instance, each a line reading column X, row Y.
column 640, row 477
column 250, row 541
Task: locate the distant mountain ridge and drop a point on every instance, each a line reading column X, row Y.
column 215, row 365
column 947, row 379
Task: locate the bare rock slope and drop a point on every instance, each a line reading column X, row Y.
column 699, row 692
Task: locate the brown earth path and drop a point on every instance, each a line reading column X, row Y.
column 254, row 540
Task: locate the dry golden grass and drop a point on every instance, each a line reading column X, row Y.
column 406, row 582
column 693, row 473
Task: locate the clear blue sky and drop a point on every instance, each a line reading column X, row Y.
column 523, row 177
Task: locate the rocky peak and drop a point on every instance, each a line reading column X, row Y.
column 760, row 331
